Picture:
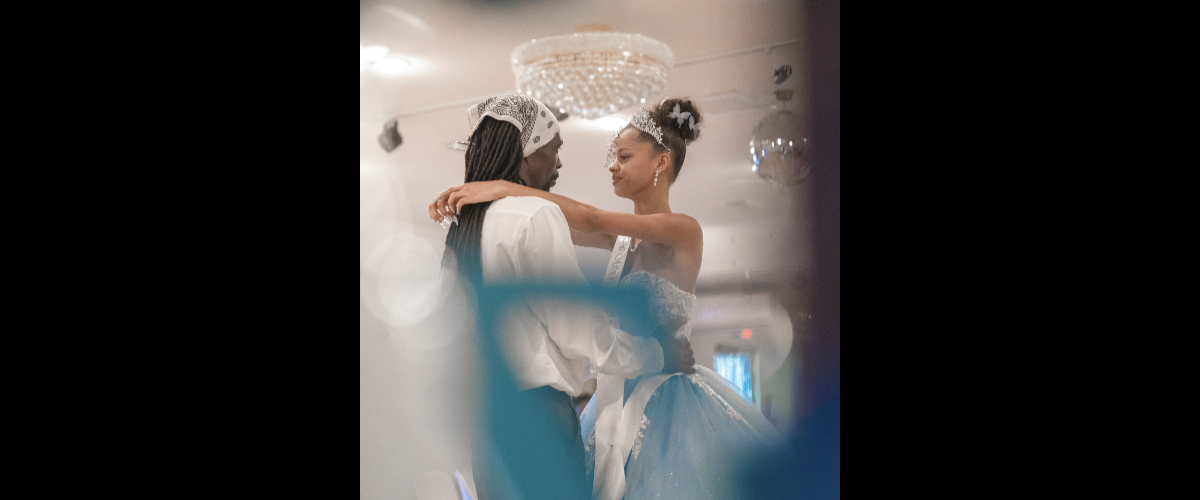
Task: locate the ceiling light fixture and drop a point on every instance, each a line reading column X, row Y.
column 592, row 73
column 370, row 54
column 390, row 65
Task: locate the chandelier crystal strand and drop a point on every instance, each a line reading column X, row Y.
column 592, row 74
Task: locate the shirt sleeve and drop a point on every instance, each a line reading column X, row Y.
column 580, row 331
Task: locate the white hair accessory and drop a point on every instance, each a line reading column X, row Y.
column 679, row 117
column 686, row 115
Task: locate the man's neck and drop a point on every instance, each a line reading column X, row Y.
column 526, row 184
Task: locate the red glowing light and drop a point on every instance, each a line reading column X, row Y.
column 747, row 333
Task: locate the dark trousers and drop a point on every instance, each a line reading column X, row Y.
column 532, row 455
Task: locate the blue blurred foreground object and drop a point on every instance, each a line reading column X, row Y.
column 810, row 468
column 527, row 443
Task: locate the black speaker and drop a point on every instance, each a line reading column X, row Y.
column 390, row 139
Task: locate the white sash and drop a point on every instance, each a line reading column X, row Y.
column 617, row 424
column 616, row 263
column 610, row 469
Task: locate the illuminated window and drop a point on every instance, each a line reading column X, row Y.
column 735, row 367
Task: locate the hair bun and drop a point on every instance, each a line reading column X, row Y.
column 689, row 128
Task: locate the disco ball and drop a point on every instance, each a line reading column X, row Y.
column 779, row 149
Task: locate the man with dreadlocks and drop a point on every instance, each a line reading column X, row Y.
column 553, row 348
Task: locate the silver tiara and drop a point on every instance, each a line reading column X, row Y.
column 642, row 121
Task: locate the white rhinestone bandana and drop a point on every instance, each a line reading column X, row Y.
column 537, row 123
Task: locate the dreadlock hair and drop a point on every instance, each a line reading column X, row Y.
column 494, row 153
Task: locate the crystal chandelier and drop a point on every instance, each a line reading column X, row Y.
column 592, row 74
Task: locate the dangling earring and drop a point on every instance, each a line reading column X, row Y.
column 656, row 172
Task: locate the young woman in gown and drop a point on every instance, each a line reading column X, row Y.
column 676, row 436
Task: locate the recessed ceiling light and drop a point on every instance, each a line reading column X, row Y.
column 372, row 53
column 390, row 65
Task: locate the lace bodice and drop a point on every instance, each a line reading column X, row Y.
column 668, row 301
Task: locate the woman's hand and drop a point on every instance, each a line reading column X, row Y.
column 451, row 201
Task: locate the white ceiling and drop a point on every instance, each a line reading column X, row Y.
column 460, row 52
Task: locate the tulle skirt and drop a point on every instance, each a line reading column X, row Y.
column 695, row 434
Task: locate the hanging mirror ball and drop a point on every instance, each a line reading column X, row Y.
column 779, row 149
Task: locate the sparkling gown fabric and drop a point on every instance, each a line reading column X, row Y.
column 695, row 430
